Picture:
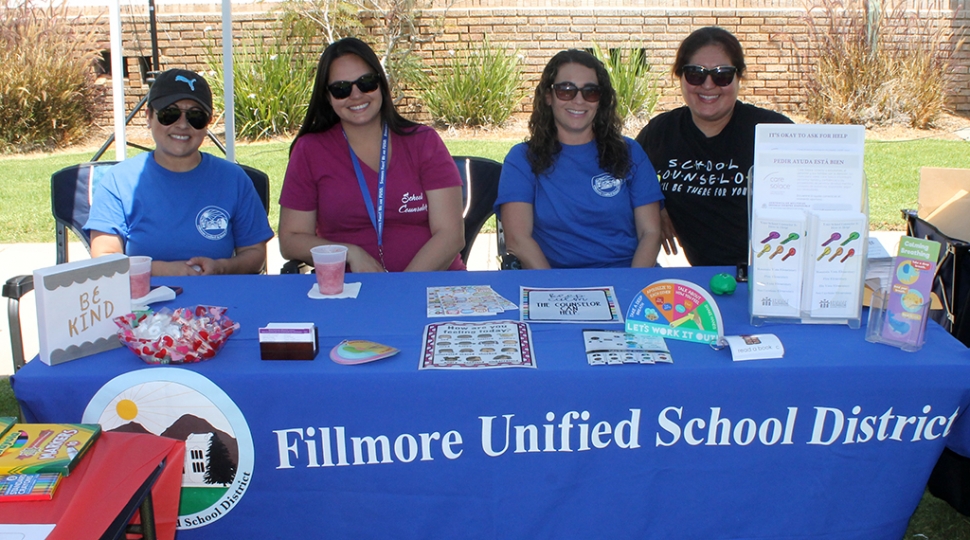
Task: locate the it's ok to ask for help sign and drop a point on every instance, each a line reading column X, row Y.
column 76, row 303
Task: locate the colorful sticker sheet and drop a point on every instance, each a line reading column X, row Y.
column 483, row 345
column 610, row 347
column 466, row 300
column 582, row 305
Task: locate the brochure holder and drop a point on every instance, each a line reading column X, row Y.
column 898, row 313
column 880, row 317
column 808, row 225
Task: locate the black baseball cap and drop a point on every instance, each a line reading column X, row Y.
column 178, row 84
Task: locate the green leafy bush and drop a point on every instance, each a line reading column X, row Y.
column 479, row 86
column 636, row 87
column 48, row 94
column 876, row 64
column 273, row 83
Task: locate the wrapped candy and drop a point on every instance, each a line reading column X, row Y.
column 182, row 336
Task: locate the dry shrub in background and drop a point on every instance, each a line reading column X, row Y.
column 878, row 63
column 47, row 80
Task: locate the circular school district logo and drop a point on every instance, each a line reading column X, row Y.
column 184, row 405
column 212, row 223
column 606, row 185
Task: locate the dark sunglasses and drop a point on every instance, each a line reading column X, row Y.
column 366, row 84
column 566, row 91
column 197, row 118
column 721, row 76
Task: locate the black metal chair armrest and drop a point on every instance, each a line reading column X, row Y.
column 14, row 289
column 17, row 286
column 295, row 267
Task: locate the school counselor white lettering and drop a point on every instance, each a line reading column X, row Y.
column 581, row 431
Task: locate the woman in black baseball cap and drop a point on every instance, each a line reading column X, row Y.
column 191, row 212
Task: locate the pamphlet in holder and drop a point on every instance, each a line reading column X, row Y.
column 898, row 314
column 808, row 225
column 887, row 326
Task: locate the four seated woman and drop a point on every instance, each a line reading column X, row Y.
column 192, row 212
column 708, row 143
column 578, row 193
column 362, row 176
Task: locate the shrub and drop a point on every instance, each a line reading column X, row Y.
column 479, row 86
column 48, row 94
column 391, row 27
column 876, row 66
column 272, row 85
column 636, row 87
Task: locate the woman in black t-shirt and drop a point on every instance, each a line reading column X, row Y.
column 702, row 152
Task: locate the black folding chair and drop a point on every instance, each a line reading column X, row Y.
column 479, row 190
column 71, row 190
column 951, row 283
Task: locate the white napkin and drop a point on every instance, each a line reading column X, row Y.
column 158, row 294
column 350, row 291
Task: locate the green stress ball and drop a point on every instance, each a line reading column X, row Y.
column 723, row 284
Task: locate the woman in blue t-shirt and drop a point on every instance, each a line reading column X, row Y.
column 578, row 193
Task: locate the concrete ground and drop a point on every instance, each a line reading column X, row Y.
column 17, row 259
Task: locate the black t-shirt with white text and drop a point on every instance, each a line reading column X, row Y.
column 704, row 180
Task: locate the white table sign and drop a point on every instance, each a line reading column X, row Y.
column 76, row 303
column 582, row 305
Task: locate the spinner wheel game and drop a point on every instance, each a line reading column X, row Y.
column 676, row 309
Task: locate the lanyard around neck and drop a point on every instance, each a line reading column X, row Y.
column 376, row 217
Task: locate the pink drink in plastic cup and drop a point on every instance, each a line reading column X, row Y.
column 140, row 275
column 328, row 263
column 330, row 277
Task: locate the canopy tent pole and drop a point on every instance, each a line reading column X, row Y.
column 228, row 81
column 117, row 80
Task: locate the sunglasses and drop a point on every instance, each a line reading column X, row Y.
column 197, row 118
column 721, row 76
column 366, row 84
column 566, row 91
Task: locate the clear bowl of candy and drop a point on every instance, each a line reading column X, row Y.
column 182, row 336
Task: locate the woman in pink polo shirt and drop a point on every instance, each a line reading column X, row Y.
column 362, row 176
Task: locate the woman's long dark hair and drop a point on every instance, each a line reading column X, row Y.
column 544, row 146
column 320, row 115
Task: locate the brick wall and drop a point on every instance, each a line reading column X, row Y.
column 775, row 78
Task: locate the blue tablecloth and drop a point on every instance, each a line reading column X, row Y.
column 835, row 440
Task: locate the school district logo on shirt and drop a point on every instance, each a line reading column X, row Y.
column 605, row 185
column 212, row 223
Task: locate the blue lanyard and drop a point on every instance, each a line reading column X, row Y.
column 376, row 218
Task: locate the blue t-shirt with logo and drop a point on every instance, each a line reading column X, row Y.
column 172, row 216
column 583, row 216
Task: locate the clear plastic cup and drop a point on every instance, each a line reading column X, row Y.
column 328, row 263
column 140, row 274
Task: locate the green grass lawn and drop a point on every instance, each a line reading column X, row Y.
column 891, row 167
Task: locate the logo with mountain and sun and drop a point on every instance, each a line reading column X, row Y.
column 183, row 405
